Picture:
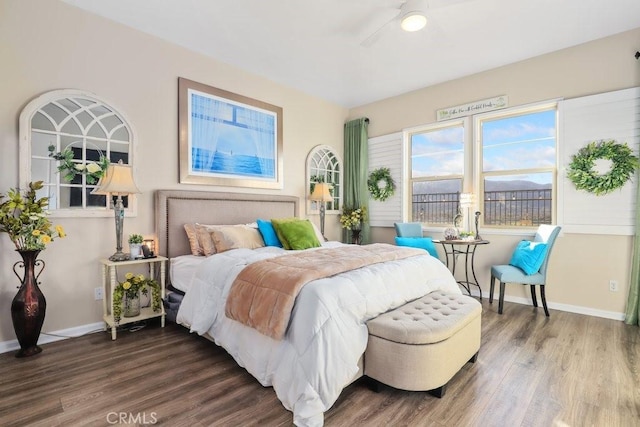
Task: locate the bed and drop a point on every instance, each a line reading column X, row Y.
column 321, row 352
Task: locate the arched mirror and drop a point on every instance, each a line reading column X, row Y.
column 324, row 165
column 67, row 139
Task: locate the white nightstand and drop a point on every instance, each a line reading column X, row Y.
column 110, row 281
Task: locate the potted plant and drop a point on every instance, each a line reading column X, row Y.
column 24, row 218
column 126, row 296
column 352, row 219
column 135, row 246
column 467, row 236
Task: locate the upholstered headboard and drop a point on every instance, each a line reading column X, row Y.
column 174, row 208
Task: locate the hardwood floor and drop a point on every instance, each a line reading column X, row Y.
column 566, row 370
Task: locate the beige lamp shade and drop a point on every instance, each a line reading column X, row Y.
column 118, row 181
column 321, row 193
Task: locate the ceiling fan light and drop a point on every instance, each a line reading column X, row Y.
column 413, row 21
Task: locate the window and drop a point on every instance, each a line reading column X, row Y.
column 510, row 169
column 86, row 126
column 323, row 165
column 517, row 158
column 437, row 164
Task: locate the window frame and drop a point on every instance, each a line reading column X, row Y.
column 473, row 177
column 319, row 156
column 25, row 151
column 478, row 153
column 466, row 167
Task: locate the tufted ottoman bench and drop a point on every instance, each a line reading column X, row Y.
column 421, row 345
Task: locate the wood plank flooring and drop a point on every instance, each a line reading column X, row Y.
column 566, row 370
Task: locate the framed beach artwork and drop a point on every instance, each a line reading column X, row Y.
column 228, row 139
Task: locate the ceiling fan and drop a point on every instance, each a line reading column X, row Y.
column 413, row 15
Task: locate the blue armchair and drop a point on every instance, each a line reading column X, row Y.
column 511, row 274
column 410, row 234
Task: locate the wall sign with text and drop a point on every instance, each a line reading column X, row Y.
column 472, row 108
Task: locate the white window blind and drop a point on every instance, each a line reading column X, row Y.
column 387, row 151
column 612, row 115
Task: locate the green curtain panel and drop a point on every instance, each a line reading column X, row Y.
column 356, row 165
column 633, row 301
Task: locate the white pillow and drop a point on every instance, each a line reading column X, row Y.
column 318, row 233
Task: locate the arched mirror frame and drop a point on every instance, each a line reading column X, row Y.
column 324, row 165
column 84, row 101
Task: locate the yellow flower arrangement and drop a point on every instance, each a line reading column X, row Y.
column 132, row 286
column 24, row 219
column 352, row 218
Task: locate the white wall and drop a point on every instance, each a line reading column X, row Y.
column 581, row 265
column 46, row 45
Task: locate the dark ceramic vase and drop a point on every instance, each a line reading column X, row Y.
column 355, row 237
column 29, row 305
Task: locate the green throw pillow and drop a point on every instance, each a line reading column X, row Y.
column 295, row 233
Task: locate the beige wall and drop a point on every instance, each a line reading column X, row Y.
column 582, row 265
column 47, row 45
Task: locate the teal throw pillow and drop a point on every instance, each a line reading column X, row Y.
column 296, row 233
column 529, row 256
column 268, row 233
column 425, row 243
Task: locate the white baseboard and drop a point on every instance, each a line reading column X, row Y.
column 63, row 334
column 561, row 307
column 77, row 331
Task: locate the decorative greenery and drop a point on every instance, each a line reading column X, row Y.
column 69, row 169
column 132, row 286
column 373, row 183
column 466, row 234
column 316, row 179
column 583, row 175
column 135, row 239
column 24, row 219
column 352, row 218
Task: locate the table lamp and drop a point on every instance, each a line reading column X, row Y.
column 466, row 201
column 117, row 181
column 322, row 193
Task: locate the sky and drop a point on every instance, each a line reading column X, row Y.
column 525, row 141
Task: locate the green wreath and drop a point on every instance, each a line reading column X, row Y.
column 583, row 175
column 378, row 192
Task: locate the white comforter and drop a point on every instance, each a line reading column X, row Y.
column 327, row 334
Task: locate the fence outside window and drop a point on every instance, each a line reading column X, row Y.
column 520, row 208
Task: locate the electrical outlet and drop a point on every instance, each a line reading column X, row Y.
column 613, row 285
column 97, row 293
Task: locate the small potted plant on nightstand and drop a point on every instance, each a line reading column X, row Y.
column 135, row 246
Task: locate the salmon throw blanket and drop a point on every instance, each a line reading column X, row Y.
column 263, row 294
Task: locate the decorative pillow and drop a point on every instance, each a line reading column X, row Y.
column 318, row 233
column 236, row 237
column 425, row 243
column 296, row 233
column 203, row 233
column 268, row 233
column 275, row 222
column 529, row 256
column 193, row 239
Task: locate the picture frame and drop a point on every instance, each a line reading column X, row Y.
column 228, row 139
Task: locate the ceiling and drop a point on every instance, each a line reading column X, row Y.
column 323, row 47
